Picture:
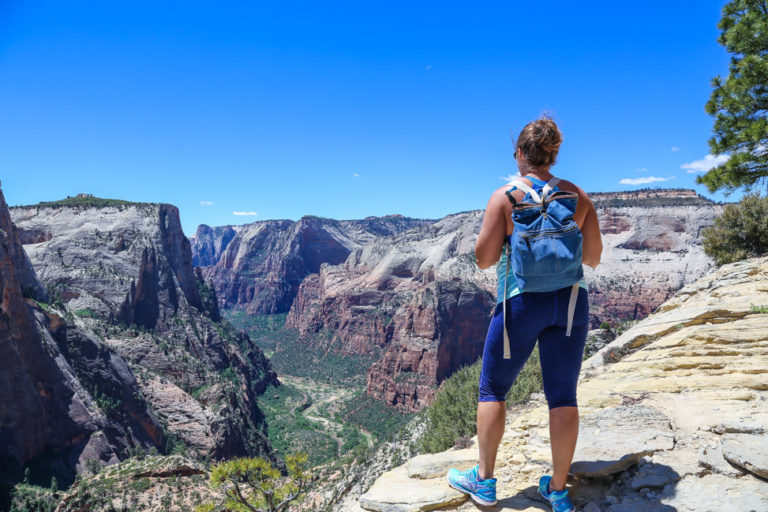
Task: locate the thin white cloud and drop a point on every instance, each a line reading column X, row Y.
column 245, row 213
column 642, row 170
column 355, row 175
column 705, row 164
column 206, row 203
column 675, row 149
column 644, row 180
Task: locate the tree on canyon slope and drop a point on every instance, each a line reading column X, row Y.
column 254, row 485
column 739, row 103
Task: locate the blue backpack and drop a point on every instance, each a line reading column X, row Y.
column 545, row 248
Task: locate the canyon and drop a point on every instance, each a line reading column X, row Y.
column 113, row 330
column 413, row 298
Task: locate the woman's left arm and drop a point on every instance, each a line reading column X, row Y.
column 490, row 241
column 590, row 230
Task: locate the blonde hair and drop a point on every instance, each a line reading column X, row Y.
column 540, row 141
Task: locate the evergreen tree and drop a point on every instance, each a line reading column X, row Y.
column 739, row 103
column 254, row 485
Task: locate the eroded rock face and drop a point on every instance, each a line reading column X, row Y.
column 674, row 420
column 208, row 243
column 125, row 272
column 413, row 296
column 648, row 254
column 62, row 392
column 260, row 266
column 93, row 256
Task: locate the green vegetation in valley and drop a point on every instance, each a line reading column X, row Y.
column 320, row 359
column 264, row 330
column 289, row 431
column 739, row 103
column 452, row 415
column 373, row 416
column 740, row 232
column 295, row 358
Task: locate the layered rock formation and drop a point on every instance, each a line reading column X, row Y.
column 260, row 266
column 64, row 396
column 652, row 248
column 125, row 272
column 415, row 299
column 673, row 417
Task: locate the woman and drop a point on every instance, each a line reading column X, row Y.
column 530, row 317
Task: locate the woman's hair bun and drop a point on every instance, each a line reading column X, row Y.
column 540, row 141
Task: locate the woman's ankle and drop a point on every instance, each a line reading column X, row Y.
column 554, row 488
column 484, row 476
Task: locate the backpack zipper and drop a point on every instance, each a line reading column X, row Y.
column 544, row 234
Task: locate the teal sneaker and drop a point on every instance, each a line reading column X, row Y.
column 482, row 492
column 558, row 499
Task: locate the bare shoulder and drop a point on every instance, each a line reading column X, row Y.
column 500, row 195
column 572, row 187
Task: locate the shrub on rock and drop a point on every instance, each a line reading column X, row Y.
column 740, row 232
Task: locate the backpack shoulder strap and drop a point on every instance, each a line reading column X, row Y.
column 525, row 188
column 549, row 187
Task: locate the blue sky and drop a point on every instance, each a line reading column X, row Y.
column 281, row 109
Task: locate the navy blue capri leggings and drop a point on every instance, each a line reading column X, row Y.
column 535, row 316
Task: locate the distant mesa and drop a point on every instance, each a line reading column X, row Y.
column 648, row 197
column 83, row 200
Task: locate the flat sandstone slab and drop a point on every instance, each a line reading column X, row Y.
column 747, row 451
column 716, row 493
column 395, row 492
column 436, row 465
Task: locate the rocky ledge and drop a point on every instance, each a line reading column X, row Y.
column 150, row 484
column 674, row 415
